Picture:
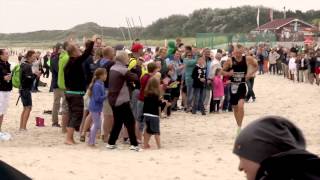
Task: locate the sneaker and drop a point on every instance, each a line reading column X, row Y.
column 5, row 136
column 135, row 148
column 108, row 146
column 203, row 113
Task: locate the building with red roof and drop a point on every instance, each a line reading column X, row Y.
column 290, row 29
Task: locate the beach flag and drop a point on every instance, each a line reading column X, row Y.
column 271, row 14
column 258, row 17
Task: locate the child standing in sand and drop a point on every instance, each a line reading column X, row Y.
column 151, row 111
column 218, row 92
column 97, row 96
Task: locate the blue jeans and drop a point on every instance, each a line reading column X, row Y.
column 96, row 125
column 261, row 68
column 198, row 103
column 226, row 102
column 134, row 103
column 189, row 95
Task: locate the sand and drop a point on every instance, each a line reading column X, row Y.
column 195, row 147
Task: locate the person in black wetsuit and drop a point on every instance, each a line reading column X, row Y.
column 236, row 68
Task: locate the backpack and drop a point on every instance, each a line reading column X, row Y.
column 16, row 76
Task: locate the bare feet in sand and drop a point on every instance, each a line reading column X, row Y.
column 147, row 146
column 70, row 143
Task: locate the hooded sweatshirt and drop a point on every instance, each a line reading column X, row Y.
column 279, row 147
column 290, row 165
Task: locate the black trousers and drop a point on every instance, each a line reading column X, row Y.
column 272, row 68
column 250, row 94
column 123, row 115
column 46, row 73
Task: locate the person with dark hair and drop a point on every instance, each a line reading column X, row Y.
column 27, row 80
column 46, row 66
column 152, row 70
column 236, row 68
column 58, row 94
column 20, row 57
column 199, row 81
column 273, row 148
column 5, row 83
column 312, row 67
column 75, row 87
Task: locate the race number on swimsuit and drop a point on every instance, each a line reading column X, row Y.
column 238, row 76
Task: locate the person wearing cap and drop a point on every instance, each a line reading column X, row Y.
column 273, row 148
column 135, row 66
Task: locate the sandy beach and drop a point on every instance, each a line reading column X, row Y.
column 195, row 147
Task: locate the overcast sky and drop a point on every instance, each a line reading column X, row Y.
column 31, row 15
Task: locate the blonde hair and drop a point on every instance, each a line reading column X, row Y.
column 153, row 87
column 97, row 75
column 98, row 54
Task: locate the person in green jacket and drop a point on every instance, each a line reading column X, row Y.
column 63, row 60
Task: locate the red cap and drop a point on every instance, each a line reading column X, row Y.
column 136, row 47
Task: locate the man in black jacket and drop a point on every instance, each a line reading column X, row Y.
column 272, row 148
column 5, row 83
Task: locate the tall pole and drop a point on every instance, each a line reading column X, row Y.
column 134, row 28
column 141, row 26
column 129, row 32
column 124, row 36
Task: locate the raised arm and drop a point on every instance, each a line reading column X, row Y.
column 88, row 51
column 226, row 66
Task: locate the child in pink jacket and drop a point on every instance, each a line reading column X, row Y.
column 218, row 90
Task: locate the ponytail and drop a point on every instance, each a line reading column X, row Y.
column 97, row 74
column 90, row 88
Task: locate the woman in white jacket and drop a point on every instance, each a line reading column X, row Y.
column 273, row 56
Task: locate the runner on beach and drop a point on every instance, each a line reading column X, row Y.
column 236, row 68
